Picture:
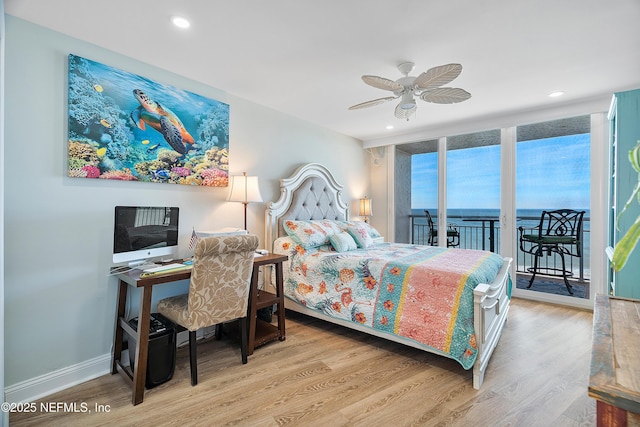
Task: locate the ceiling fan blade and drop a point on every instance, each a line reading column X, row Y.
column 445, row 95
column 404, row 113
column 382, row 83
column 372, row 103
column 438, row 76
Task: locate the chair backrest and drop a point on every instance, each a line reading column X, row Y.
column 220, row 279
column 562, row 223
column 432, row 233
column 429, row 220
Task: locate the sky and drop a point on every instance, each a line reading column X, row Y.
column 551, row 173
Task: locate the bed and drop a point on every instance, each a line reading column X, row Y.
column 451, row 302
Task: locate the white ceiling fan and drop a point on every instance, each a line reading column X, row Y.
column 427, row 86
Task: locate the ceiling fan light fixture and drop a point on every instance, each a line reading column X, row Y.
column 408, row 105
column 407, row 102
column 404, row 113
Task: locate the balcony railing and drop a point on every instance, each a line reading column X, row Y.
column 482, row 233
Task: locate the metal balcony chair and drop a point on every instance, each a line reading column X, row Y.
column 453, row 235
column 559, row 232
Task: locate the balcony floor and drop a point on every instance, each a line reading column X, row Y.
column 553, row 285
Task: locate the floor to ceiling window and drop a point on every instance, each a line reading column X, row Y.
column 552, row 172
column 473, row 189
column 420, row 177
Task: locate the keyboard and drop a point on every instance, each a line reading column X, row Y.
column 163, row 268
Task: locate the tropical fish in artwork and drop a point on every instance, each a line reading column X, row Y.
column 153, row 148
column 98, row 88
column 145, row 141
column 101, row 151
column 161, row 174
column 105, row 123
column 161, row 119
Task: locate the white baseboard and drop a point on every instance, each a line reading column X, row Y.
column 44, row 385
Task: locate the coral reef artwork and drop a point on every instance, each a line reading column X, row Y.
column 125, row 127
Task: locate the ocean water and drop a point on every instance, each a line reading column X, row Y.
column 526, row 217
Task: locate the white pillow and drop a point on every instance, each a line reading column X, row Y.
column 361, row 235
column 343, row 242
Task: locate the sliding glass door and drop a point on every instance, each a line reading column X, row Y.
column 473, row 190
column 553, row 174
column 424, row 189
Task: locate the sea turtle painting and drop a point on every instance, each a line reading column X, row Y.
column 161, row 119
column 126, row 127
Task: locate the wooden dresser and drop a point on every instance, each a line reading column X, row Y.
column 615, row 361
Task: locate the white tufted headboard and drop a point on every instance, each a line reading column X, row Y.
column 310, row 193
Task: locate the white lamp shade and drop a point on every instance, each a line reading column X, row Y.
column 245, row 189
column 365, row 207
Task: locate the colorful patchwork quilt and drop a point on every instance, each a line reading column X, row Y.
column 422, row 293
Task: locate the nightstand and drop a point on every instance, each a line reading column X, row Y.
column 261, row 332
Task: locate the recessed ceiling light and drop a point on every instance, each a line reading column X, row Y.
column 556, row 94
column 180, row 22
column 389, row 127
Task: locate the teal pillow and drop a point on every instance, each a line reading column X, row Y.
column 361, row 235
column 309, row 234
column 343, row 242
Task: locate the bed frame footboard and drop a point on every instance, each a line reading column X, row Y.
column 491, row 305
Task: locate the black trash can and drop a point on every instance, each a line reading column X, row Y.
column 161, row 360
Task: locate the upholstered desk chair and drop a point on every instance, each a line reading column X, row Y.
column 218, row 292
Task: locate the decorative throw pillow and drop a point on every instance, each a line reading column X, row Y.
column 372, row 231
column 343, row 242
column 284, row 245
column 311, row 233
column 360, row 235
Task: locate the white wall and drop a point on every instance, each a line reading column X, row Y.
column 59, row 302
column 4, row 417
column 382, row 193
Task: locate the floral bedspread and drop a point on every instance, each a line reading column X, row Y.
column 422, row 293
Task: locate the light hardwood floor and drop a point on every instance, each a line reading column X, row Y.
column 325, row 375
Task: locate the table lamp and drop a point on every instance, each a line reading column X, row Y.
column 365, row 208
column 245, row 189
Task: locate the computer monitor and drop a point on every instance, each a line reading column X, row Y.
column 144, row 232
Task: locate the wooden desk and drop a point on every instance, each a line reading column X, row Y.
column 136, row 379
column 259, row 332
column 615, row 361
